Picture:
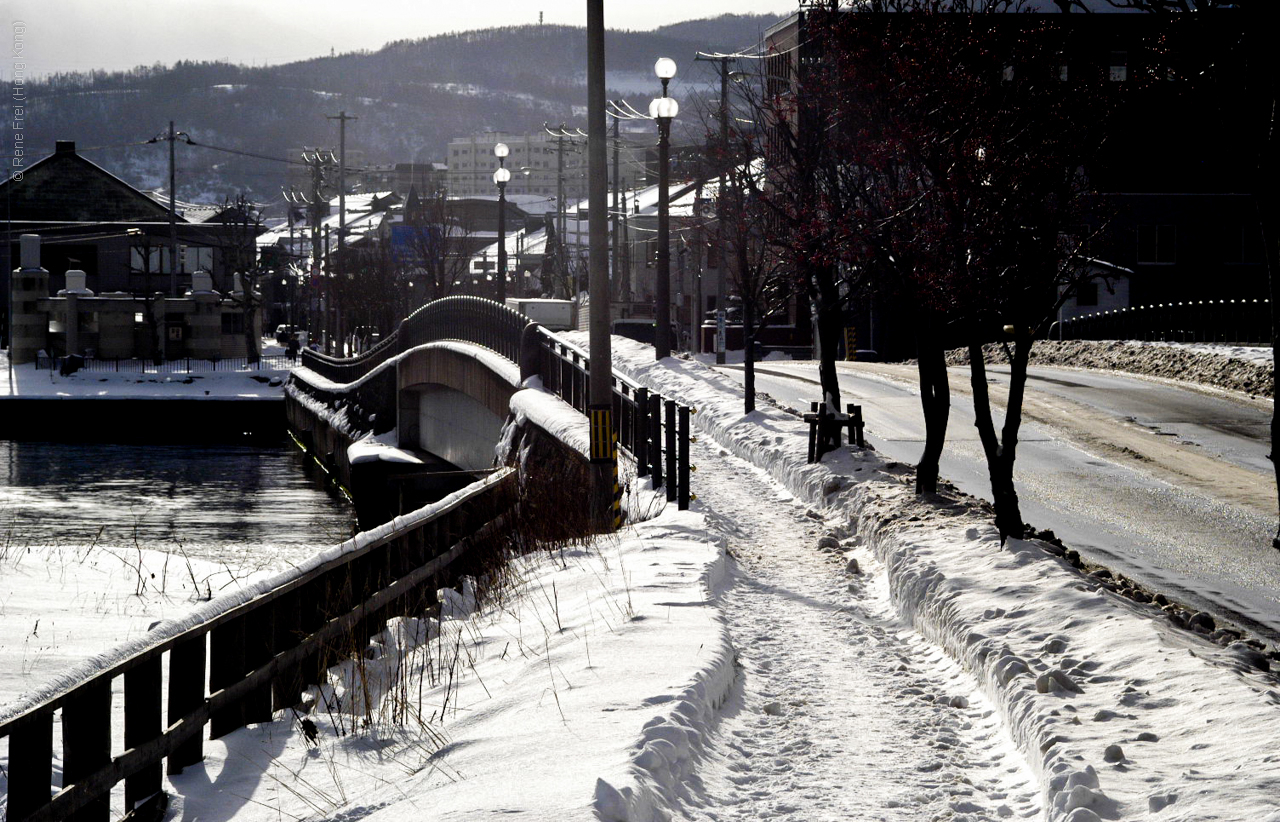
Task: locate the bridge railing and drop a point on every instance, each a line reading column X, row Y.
column 262, row 653
column 470, row 319
column 654, row 430
column 1210, row 321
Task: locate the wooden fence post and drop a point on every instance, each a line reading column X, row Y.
column 86, row 743
column 31, row 774
column 142, row 723
column 186, row 694
column 259, row 647
column 226, row 667
column 287, row 687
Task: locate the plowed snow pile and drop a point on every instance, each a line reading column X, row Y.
column 1235, row 368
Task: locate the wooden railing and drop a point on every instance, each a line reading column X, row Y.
column 263, row 651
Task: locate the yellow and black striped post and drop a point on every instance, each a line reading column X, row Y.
column 604, row 449
column 851, row 343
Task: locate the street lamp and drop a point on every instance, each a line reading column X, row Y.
column 663, row 109
column 500, row 178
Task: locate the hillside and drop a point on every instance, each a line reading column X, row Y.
column 410, row 96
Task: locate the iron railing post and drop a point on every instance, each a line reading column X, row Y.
column 683, row 482
column 669, row 429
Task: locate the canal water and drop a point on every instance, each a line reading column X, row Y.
column 227, row 503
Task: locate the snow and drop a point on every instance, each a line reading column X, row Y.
column 1244, row 369
column 810, row 642
column 169, row 381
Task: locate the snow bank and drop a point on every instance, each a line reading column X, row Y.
column 246, row 384
column 582, row 691
column 553, row 415
column 1246, row 369
column 1121, row 713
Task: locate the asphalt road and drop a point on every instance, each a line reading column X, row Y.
column 1167, row 485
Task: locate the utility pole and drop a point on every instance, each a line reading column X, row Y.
column 606, row 497
column 172, row 136
column 173, row 216
column 562, row 133
column 722, row 256
column 342, row 118
column 561, row 262
column 316, row 206
column 617, row 200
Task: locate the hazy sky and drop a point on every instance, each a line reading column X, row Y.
column 116, row 34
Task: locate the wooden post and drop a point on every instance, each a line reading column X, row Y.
column 186, row 694
column 86, row 743
column 142, row 723
column 288, row 686
column 259, row 641
column 226, row 667
column 814, row 453
column 31, row 774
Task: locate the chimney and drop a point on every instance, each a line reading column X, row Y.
column 64, row 147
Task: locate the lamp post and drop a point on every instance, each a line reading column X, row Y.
column 663, row 109
column 500, row 178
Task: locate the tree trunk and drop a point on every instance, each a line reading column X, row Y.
column 748, row 355
column 935, row 401
column 999, row 459
column 251, row 353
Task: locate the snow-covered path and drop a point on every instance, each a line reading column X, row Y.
column 841, row 711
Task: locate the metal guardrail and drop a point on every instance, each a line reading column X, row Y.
column 654, row 430
column 1211, row 321
column 262, row 654
column 470, row 319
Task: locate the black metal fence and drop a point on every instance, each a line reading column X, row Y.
column 183, row 365
column 470, row 319
column 1242, row 321
column 261, row 654
column 654, row 430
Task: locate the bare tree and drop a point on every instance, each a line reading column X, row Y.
column 754, row 265
column 242, row 221
column 434, row 245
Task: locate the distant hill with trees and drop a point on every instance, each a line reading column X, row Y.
column 411, row 98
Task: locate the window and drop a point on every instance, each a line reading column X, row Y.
column 1157, row 244
column 233, row 323
column 1241, row 244
column 1087, row 293
column 1119, row 67
column 1063, row 73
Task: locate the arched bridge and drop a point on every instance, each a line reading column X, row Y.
column 435, row 394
